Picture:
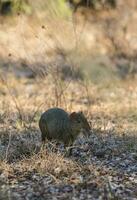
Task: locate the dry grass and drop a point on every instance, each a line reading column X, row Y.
column 111, row 110
column 53, row 164
column 102, row 166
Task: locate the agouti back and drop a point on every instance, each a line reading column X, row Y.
column 56, row 124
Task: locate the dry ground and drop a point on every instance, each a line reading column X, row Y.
column 102, row 166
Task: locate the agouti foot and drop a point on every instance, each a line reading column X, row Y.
column 68, row 151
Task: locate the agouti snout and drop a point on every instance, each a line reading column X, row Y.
column 56, row 124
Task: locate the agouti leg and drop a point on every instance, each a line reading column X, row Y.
column 68, row 150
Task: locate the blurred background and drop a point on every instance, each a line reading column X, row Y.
column 94, row 40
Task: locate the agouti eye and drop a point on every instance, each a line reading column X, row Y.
column 79, row 121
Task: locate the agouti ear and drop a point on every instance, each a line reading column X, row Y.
column 73, row 115
column 81, row 112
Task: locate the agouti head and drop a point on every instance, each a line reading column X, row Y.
column 78, row 123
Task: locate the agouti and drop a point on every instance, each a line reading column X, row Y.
column 57, row 124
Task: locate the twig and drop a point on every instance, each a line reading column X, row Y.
column 7, row 150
